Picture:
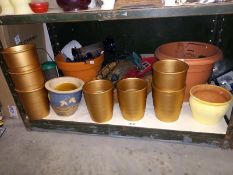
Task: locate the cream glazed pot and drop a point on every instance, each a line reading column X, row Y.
column 7, row 8
column 21, row 6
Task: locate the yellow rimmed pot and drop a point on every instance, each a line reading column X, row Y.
column 209, row 103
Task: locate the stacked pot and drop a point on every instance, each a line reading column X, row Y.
column 200, row 57
column 28, row 78
column 168, row 88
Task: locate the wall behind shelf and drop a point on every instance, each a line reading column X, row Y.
column 141, row 35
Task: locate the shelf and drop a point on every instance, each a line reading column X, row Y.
column 185, row 128
column 56, row 15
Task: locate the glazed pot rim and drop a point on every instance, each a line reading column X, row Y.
column 100, row 92
column 211, row 103
column 47, row 86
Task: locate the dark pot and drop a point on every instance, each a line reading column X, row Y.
column 73, row 5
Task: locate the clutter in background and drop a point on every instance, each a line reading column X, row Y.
column 225, row 80
column 123, row 65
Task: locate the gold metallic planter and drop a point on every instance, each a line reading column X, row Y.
column 132, row 93
column 98, row 95
column 169, row 74
column 28, row 81
column 167, row 104
column 21, row 58
column 35, row 103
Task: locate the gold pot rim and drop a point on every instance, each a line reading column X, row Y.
column 210, row 103
column 30, row 90
column 99, row 92
column 137, row 90
column 167, row 91
column 10, row 50
column 25, row 72
column 171, row 60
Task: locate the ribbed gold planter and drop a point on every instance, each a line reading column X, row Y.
column 167, row 104
column 28, row 81
column 98, row 95
column 169, row 75
column 132, row 93
column 21, row 58
column 35, row 103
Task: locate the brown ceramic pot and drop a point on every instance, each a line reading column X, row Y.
column 200, row 57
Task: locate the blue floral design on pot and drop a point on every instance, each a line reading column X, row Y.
column 64, row 103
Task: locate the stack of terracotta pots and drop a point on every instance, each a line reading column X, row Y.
column 28, row 78
column 168, row 88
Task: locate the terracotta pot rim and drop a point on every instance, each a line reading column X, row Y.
column 81, row 65
column 210, row 103
column 195, row 61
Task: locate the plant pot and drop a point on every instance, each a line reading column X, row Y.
column 85, row 71
column 28, row 81
column 21, row 58
column 35, row 103
column 200, row 57
column 215, row 101
column 64, row 102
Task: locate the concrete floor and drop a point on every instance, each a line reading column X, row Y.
column 49, row 153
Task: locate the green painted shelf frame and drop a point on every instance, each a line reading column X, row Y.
column 219, row 140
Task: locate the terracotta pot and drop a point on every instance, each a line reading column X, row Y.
column 84, row 71
column 200, row 57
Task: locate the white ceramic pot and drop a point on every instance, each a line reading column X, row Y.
column 7, row 8
column 21, row 6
